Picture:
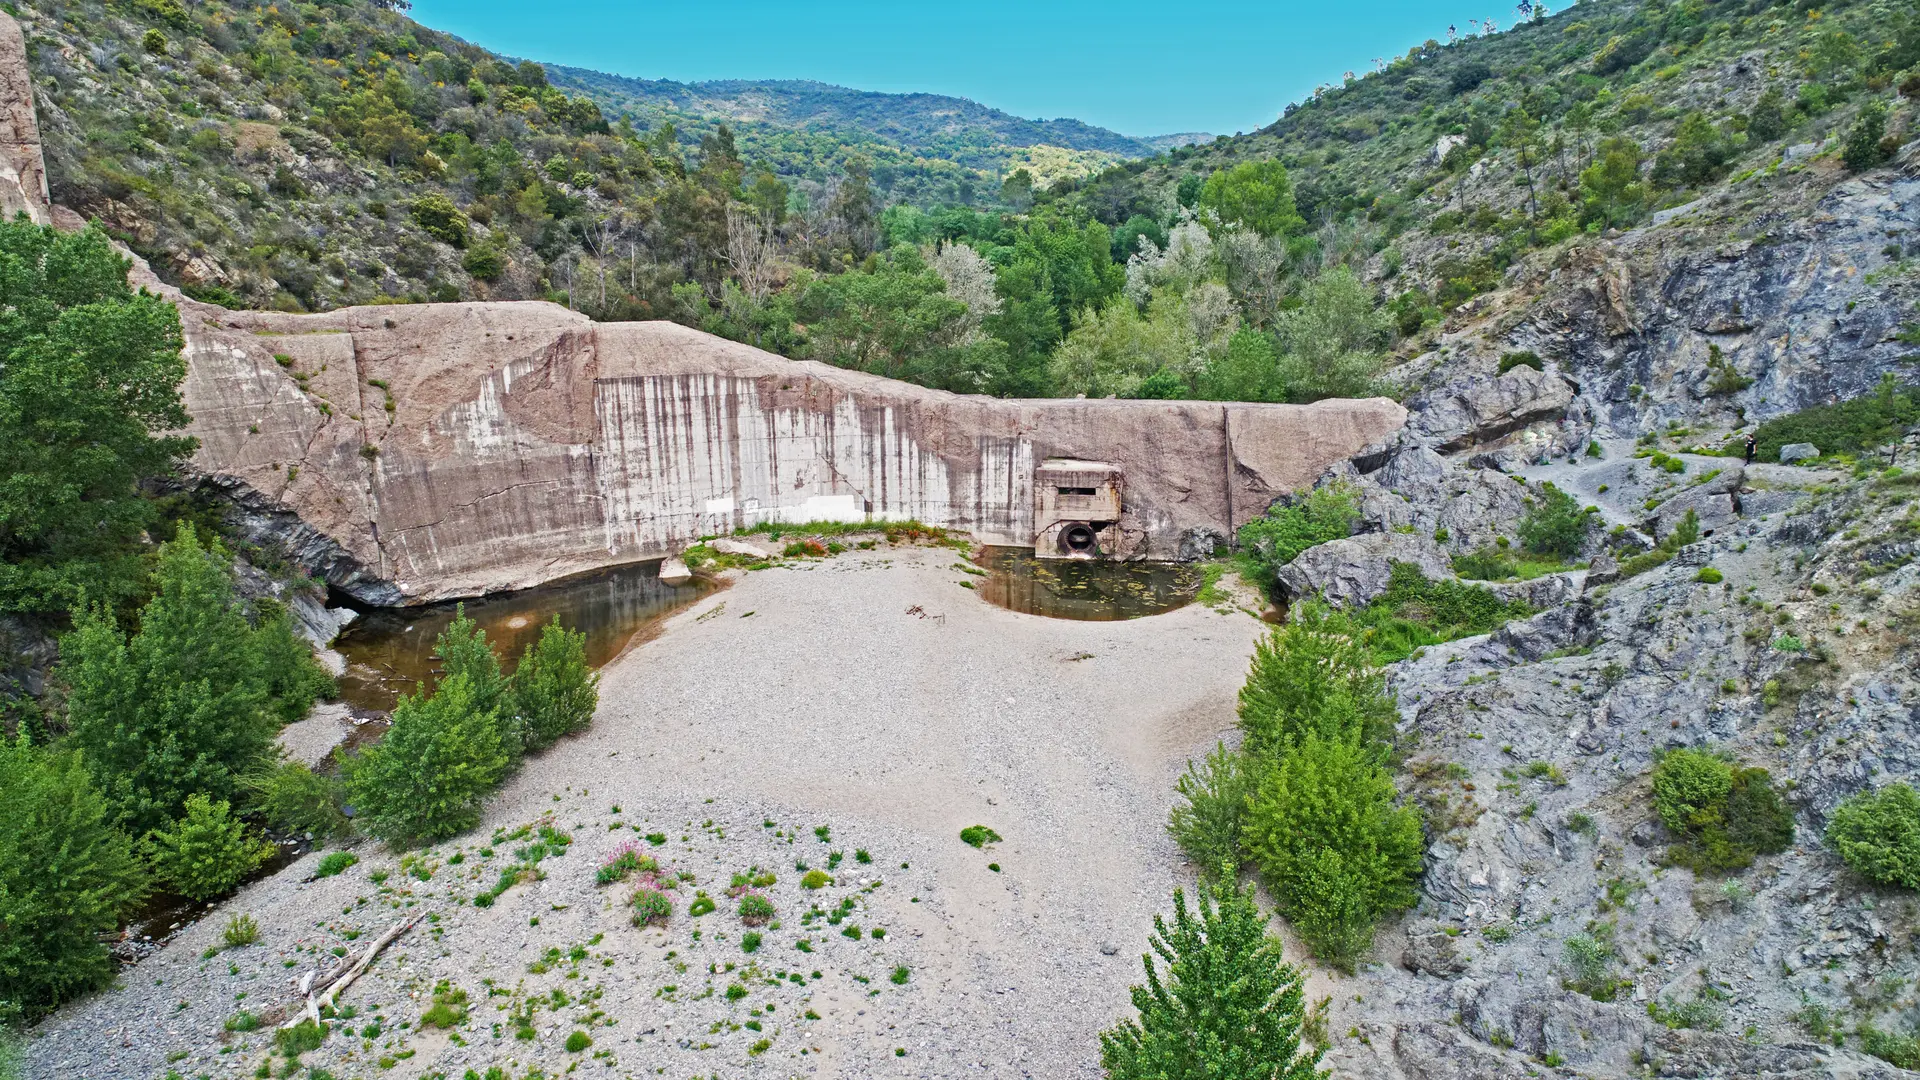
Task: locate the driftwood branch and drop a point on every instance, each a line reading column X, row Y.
column 323, row 992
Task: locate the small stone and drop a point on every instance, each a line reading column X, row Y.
column 1108, row 948
column 674, row 572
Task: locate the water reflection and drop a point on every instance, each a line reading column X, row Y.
column 390, row 651
column 1088, row 590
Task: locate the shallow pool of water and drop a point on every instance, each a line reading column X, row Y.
column 1088, row 590
column 390, row 651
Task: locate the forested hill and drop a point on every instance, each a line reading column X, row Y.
column 767, row 114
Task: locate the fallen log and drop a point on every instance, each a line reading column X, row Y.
column 323, row 994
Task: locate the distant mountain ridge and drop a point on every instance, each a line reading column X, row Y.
column 919, row 121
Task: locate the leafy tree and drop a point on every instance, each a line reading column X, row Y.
column 1689, row 788
column 290, row 675
column 1768, row 119
column 553, row 689
column 1331, row 844
column 207, row 852
column 1556, row 526
column 66, row 875
column 91, row 373
column 1111, row 352
column 1207, row 827
column 426, row 780
column 1228, row 1006
column 888, row 318
column 1611, row 187
column 1312, row 676
column 1878, row 834
column 1249, row 370
column 1256, row 194
column 463, row 649
column 1698, row 153
column 1330, row 344
column 181, row 707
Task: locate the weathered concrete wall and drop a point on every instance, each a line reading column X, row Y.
column 414, row 453
column 525, row 442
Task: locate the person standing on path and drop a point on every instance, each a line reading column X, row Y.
column 1751, row 447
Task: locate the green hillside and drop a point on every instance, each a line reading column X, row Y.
column 926, row 148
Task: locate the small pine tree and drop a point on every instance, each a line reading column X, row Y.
column 296, row 799
column 1228, row 1008
column 1312, row 675
column 66, row 875
column 427, row 779
column 554, row 690
column 180, row 707
column 207, row 852
column 292, row 678
column 463, row 649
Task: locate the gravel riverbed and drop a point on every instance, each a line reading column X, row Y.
column 807, row 716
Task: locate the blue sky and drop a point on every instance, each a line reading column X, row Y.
column 1142, row 69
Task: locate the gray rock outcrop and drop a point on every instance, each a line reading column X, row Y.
column 1354, row 571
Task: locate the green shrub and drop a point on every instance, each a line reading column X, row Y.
column 297, row 800
column 1415, row 612
column 1878, row 834
column 1590, row 962
column 703, row 904
column 300, row 1038
column 334, row 862
column 449, row 1008
column 1310, row 675
column 577, row 1042
column 816, row 879
column 1207, row 825
column 484, row 263
column 755, row 908
column 900, row 973
column 241, row 930
column 1227, row 1006
column 750, row 942
column 1557, row 525
column 207, row 852
column 978, row 836
column 652, row 906
column 553, row 689
column 242, row 1021
column 1709, row 576
column 66, row 875
column 440, row 218
column 1846, row 427
column 1520, row 359
column 427, row 779
column 1719, row 815
column 1327, row 513
column 1335, row 850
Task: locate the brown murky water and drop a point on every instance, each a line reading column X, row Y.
column 390, row 651
column 1088, row 590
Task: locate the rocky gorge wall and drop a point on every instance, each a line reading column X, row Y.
column 414, row 453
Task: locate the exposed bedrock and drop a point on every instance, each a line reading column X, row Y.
column 415, row 453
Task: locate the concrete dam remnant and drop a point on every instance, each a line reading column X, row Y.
column 452, row 449
column 413, row 453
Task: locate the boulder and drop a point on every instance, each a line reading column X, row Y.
column 674, row 572
column 1472, row 412
column 1569, row 626
column 1544, row 591
column 1353, row 571
column 1433, row 954
column 1716, row 510
column 731, row 545
column 1799, row 451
